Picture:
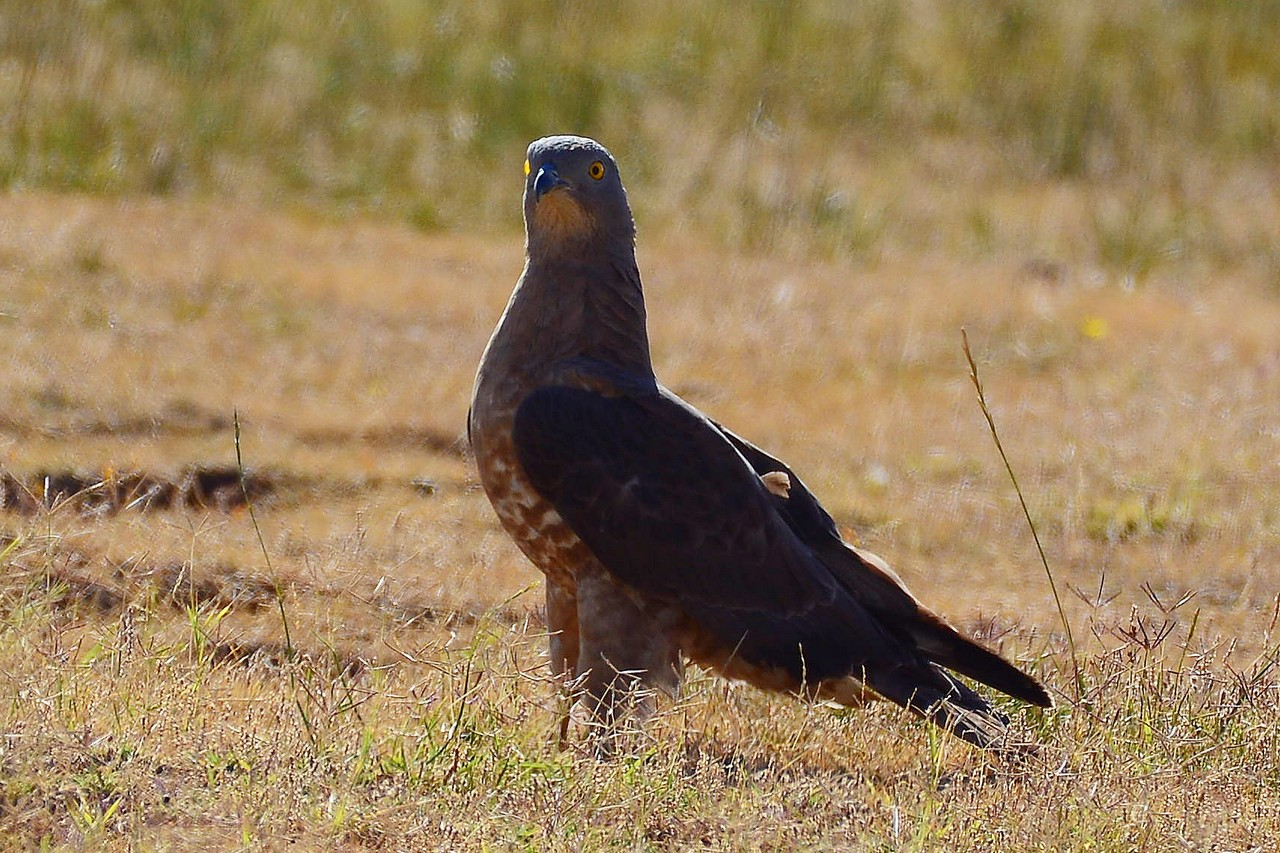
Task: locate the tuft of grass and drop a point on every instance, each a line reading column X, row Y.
column 1136, row 515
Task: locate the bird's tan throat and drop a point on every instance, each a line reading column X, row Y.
column 561, row 218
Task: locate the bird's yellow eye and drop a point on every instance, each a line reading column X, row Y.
column 596, row 171
column 527, row 168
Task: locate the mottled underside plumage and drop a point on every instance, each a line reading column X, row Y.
column 663, row 535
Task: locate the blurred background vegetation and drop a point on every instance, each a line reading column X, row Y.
column 1133, row 136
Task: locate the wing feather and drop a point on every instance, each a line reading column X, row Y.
column 677, row 508
column 877, row 587
column 665, row 501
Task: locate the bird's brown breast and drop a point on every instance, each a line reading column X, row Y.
column 530, row 520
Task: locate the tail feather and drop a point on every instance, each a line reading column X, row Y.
column 883, row 591
column 945, row 646
column 947, row 703
column 924, row 688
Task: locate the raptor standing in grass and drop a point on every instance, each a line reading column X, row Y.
column 662, row 534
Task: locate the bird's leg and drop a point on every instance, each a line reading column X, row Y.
column 625, row 653
column 562, row 627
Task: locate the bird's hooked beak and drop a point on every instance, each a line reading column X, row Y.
column 557, row 217
column 546, row 181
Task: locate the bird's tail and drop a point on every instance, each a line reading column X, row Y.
column 946, row 646
column 947, row 703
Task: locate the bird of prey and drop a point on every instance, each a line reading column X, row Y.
column 663, row 535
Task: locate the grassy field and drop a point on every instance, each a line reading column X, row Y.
column 1138, row 135
column 302, row 220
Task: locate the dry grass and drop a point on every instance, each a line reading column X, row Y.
column 153, row 702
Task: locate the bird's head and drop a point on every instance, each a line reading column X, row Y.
column 573, row 198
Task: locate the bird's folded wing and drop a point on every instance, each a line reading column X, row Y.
column 664, row 501
column 875, row 586
column 868, row 578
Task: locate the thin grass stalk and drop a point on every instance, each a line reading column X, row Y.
column 289, row 651
column 1044, row 561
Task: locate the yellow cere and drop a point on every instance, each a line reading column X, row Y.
column 527, row 168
